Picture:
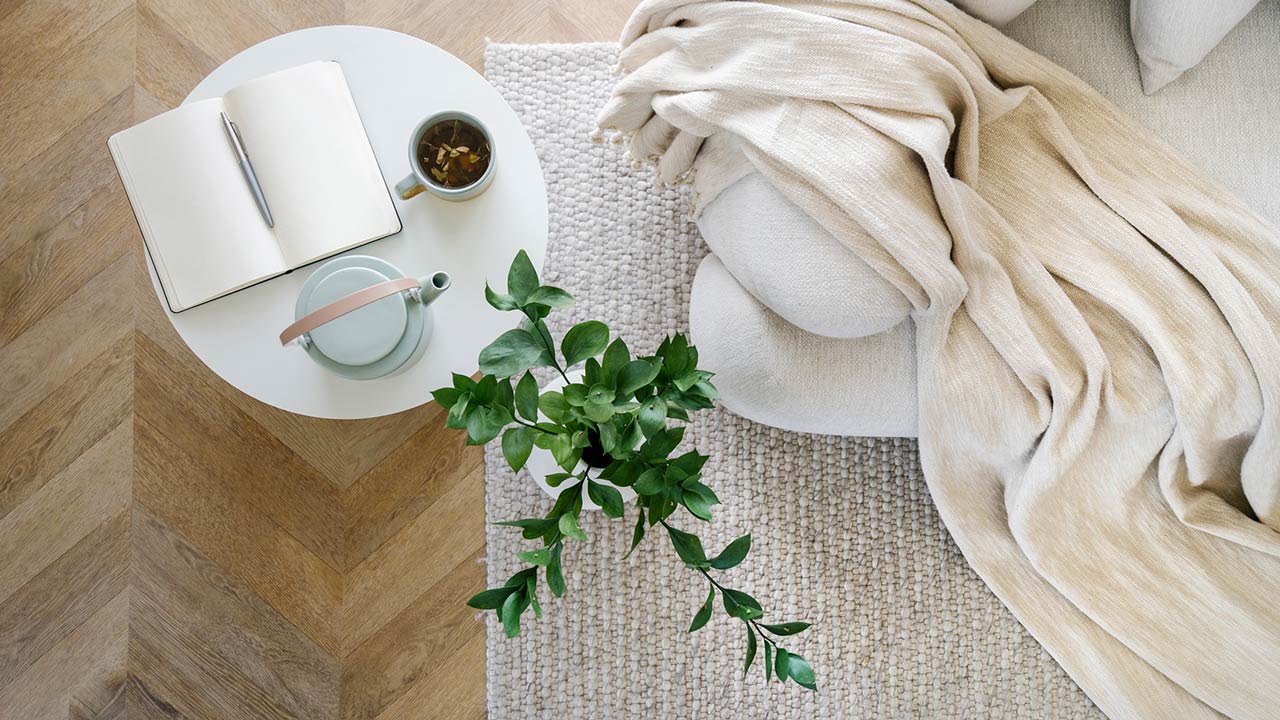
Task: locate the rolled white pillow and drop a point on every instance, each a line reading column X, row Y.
column 796, row 268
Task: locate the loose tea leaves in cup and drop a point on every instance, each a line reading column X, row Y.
column 454, row 153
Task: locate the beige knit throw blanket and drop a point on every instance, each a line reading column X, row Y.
column 1099, row 367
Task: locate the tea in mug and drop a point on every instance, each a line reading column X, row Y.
column 453, row 153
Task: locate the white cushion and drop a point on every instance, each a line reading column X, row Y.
column 796, row 268
column 1172, row 36
column 771, row 371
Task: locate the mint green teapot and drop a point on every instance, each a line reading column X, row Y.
column 361, row 318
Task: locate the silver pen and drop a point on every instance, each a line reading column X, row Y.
column 237, row 144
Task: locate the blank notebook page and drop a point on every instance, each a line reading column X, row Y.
column 311, row 154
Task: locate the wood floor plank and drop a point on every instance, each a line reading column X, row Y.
column 89, row 663
column 218, row 28
column 64, row 39
column 143, row 704
column 88, row 492
column 186, row 673
column 40, row 360
column 445, row 687
column 62, row 596
column 37, row 112
column 229, row 618
column 68, row 422
column 115, row 709
column 393, row 576
column 193, row 500
column 404, row 484
column 40, row 193
column 38, row 276
column 168, row 64
column 248, row 460
column 408, row 647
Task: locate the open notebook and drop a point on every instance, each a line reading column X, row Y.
column 201, row 225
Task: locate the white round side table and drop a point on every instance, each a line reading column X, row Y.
column 396, row 81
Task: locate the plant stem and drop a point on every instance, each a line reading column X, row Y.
column 759, row 630
column 548, row 343
column 530, row 425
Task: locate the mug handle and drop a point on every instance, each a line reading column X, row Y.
column 344, row 305
column 409, row 187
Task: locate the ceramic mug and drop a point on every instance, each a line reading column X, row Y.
column 418, row 180
column 360, row 317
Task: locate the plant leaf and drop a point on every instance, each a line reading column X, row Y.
column 781, row 664
column 597, row 411
column 653, row 415
column 526, row 398
column 484, row 424
column 704, row 612
column 513, row 352
column 510, row 613
column 551, row 297
column 446, row 396
column 584, row 340
column 650, row 482
column 490, row 599
column 607, row 497
column 539, row 557
column 741, row 605
column 552, row 405
column 768, row 663
column 530, row 528
column 696, row 504
column 555, row 575
column 636, row 535
column 616, row 357
column 751, row 649
column 788, row 628
column 499, row 301
column 799, row 670
column 637, row 374
column 522, row 278
column 517, row 443
column 688, row 547
column 531, row 590
column 458, row 413
column 569, row 527
column 733, row 554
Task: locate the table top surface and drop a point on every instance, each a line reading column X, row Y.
column 396, row 81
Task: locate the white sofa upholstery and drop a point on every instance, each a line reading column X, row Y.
column 1222, row 115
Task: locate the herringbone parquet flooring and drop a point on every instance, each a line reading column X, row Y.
column 170, row 548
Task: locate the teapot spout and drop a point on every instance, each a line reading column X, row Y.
column 433, row 286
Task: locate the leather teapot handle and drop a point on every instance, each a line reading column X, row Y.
column 344, row 305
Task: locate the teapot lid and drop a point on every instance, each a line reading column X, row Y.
column 365, row 335
column 342, row 345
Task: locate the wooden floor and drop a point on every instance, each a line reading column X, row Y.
column 170, row 548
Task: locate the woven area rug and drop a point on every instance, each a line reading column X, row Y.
column 844, row 532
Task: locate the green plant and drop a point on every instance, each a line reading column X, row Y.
column 618, row 422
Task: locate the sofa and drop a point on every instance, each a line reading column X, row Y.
column 853, row 372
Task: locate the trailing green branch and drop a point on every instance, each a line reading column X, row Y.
column 616, row 427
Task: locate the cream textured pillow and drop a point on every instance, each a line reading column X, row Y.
column 993, row 12
column 794, row 267
column 1172, row 36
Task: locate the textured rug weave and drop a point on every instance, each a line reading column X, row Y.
column 844, row 532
